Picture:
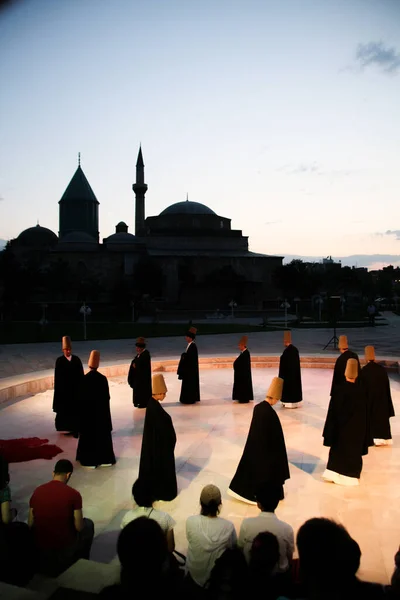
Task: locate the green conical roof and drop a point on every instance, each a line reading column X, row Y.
column 78, row 189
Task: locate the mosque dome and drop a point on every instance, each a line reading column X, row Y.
column 187, row 208
column 121, row 236
column 37, row 236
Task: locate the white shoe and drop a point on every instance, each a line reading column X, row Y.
column 88, row 467
column 292, row 404
column 106, row 465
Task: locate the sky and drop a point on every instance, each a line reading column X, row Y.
column 281, row 115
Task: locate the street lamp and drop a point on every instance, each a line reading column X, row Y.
column 86, row 311
column 285, row 304
column 232, row 304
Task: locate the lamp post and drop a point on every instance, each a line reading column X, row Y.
column 232, row 304
column 285, row 304
column 86, row 311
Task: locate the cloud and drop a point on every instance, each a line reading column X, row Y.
column 395, row 232
column 377, row 54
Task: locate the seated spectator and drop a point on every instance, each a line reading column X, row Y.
column 264, row 559
column 61, row 534
column 267, row 497
column 208, row 536
column 395, row 581
column 143, row 507
column 146, row 569
column 16, row 551
column 7, row 514
column 229, row 579
column 329, row 560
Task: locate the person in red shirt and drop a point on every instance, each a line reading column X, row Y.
column 61, row 534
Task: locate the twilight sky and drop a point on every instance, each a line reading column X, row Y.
column 281, row 115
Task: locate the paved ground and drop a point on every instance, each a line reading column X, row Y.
column 17, row 359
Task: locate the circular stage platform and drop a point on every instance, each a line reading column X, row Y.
column 210, row 440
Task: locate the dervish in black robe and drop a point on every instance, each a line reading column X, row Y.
column 139, row 378
column 379, row 399
column 242, row 381
column 264, row 458
column 346, row 429
column 188, row 372
column 340, row 367
column 95, row 445
column 68, row 378
column 290, row 372
column 157, row 460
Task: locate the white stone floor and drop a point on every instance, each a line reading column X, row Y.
column 211, row 436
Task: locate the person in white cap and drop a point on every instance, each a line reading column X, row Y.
column 208, row 536
column 157, row 459
column 68, row 378
column 95, row 446
column 380, row 404
column 264, row 458
column 345, row 430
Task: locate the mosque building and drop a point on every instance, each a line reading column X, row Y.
column 189, row 255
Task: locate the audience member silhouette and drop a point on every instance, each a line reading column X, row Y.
column 146, row 567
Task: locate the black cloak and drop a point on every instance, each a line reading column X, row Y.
column 157, row 460
column 188, row 372
column 139, row 378
column 346, row 429
column 340, row 367
column 379, row 399
column 242, row 381
column 289, row 371
column 95, row 445
column 264, row 457
column 68, row 377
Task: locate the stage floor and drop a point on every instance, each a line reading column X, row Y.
column 210, row 440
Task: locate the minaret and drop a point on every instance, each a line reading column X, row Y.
column 139, row 188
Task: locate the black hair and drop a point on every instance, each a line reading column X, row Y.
column 264, row 553
column 211, row 509
column 63, row 467
column 268, row 496
column 142, row 494
column 142, row 546
column 328, row 554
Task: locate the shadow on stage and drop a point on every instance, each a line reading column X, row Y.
column 303, row 461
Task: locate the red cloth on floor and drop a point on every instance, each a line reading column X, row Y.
column 25, row 449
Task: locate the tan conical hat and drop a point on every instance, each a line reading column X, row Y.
column 287, row 337
column 140, row 341
column 369, row 353
column 351, row 368
column 66, row 342
column 193, row 330
column 243, row 340
column 275, row 389
column 343, row 343
column 158, row 384
column 94, row 359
